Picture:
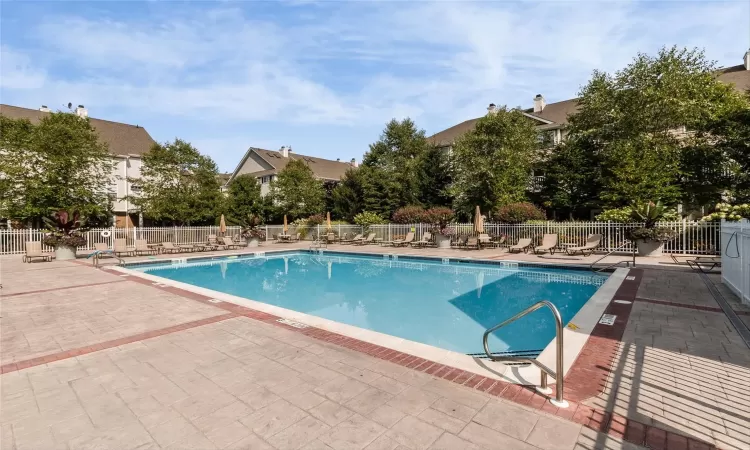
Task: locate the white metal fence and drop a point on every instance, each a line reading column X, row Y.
column 699, row 238
column 735, row 258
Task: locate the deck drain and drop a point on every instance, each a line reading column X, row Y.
column 630, row 278
column 292, row 323
column 623, row 302
column 214, row 300
column 608, row 319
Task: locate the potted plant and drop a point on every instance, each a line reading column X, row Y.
column 439, row 219
column 251, row 230
column 64, row 234
column 650, row 239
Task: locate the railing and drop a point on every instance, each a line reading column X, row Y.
column 557, row 374
column 697, row 238
column 627, row 262
column 735, row 258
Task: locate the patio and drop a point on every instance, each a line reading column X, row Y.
column 92, row 359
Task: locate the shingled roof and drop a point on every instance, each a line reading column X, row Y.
column 322, row 168
column 123, row 139
column 558, row 112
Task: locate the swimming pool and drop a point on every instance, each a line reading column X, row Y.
column 442, row 303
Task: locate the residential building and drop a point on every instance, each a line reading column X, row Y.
column 127, row 143
column 551, row 118
column 265, row 165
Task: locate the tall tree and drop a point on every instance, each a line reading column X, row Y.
column 641, row 118
column 397, row 153
column 60, row 163
column 434, row 178
column 297, row 192
column 348, row 195
column 244, row 199
column 491, row 163
column 572, row 179
column 731, row 135
column 179, row 185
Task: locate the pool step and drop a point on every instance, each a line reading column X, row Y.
column 519, row 353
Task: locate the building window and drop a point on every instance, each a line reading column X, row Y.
column 135, row 189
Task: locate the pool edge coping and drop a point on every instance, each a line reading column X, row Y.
column 574, row 340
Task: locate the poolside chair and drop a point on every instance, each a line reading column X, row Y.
column 403, row 242
column 472, row 242
column 549, row 242
column 523, row 245
column 460, row 242
column 426, row 240
column 296, row 238
column 213, row 243
column 121, row 247
column 330, row 238
column 699, row 263
column 356, row 238
column 368, row 240
column 34, row 250
column 169, row 247
column 142, row 248
column 592, row 243
column 229, row 243
column 102, row 250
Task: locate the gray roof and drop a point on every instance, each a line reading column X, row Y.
column 123, row 139
column 322, row 168
column 558, row 112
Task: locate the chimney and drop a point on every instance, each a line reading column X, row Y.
column 45, row 109
column 284, row 151
column 747, row 60
column 539, row 103
column 492, row 109
column 338, row 159
column 354, row 163
column 81, row 111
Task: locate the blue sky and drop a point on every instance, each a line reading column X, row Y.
column 324, row 77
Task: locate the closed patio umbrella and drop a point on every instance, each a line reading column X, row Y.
column 286, row 227
column 478, row 222
column 328, row 220
column 222, row 225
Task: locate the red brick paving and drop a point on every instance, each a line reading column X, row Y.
column 585, row 379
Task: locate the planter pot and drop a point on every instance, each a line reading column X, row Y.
column 649, row 248
column 64, row 252
column 442, row 241
column 252, row 242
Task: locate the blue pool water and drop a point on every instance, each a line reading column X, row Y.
column 443, row 305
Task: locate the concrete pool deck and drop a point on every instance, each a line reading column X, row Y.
column 122, row 364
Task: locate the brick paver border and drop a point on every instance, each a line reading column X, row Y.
column 39, row 291
column 586, row 377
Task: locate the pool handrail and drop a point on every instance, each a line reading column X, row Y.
column 557, row 374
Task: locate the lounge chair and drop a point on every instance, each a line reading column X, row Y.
column 460, row 242
column 549, row 242
column 352, row 240
column 34, row 250
column 229, row 243
column 169, row 247
column 213, row 243
column 700, row 262
column 523, row 245
column 592, row 243
column 472, row 242
column 296, row 238
column 368, row 240
column 121, row 247
column 330, row 238
column 142, row 248
column 426, row 240
column 101, row 250
column 403, row 242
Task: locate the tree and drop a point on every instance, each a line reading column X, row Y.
column 397, row 153
column 491, row 164
column 572, row 179
column 244, row 199
column 640, row 120
column 59, row 163
column 367, row 189
column 731, row 134
column 296, row 191
column 179, row 185
column 434, row 178
column 348, row 195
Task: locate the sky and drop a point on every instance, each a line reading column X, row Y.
column 326, row 76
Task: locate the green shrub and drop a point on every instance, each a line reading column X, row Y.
column 625, row 215
column 728, row 212
column 518, row 213
column 366, row 218
column 315, row 219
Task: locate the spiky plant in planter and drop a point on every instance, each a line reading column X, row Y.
column 650, row 239
column 251, row 229
column 64, row 233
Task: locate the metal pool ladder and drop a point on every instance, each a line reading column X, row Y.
column 557, row 374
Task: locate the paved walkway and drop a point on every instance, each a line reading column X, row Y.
column 134, row 365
